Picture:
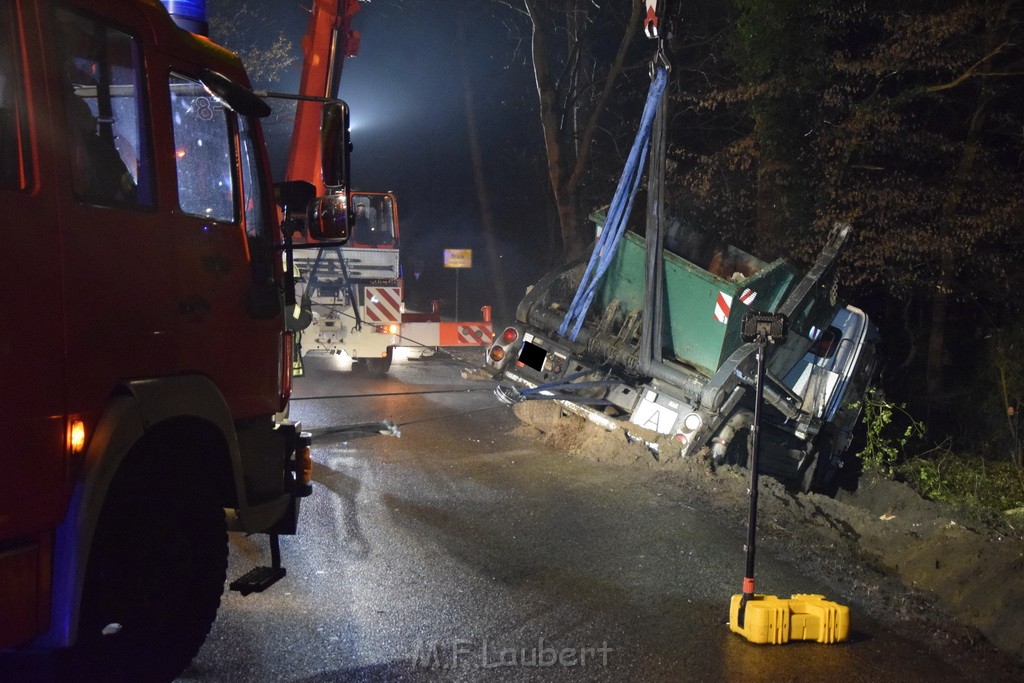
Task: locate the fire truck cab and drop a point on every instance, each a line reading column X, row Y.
column 141, row 250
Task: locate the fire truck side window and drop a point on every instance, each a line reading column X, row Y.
column 108, row 145
column 252, row 185
column 13, row 131
column 202, row 144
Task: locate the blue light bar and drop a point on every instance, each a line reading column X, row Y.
column 189, row 15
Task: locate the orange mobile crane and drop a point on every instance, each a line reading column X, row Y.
column 352, row 302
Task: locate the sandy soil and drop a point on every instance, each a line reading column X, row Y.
column 907, row 559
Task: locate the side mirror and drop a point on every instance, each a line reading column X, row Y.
column 294, row 196
column 327, row 218
column 335, row 145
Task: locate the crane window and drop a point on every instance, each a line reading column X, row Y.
column 374, row 220
column 13, row 131
column 110, row 163
column 203, row 151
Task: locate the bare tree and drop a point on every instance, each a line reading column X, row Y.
column 242, row 29
column 573, row 95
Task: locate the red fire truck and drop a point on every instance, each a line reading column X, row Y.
column 141, row 249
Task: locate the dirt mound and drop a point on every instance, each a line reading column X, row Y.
column 909, row 558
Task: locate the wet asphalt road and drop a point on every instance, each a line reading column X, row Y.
column 464, row 551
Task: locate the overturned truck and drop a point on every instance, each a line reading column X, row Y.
column 644, row 336
column 662, row 358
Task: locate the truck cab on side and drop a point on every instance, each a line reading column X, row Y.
column 141, row 249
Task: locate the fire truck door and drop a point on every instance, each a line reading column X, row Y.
column 120, row 320
column 223, row 233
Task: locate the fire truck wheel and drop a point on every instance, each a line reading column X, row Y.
column 156, row 571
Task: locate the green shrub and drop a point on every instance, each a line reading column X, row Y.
column 972, row 483
column 889, row 428
column 981, row 484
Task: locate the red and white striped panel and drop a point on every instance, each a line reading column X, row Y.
column 481, row 333
column 466, row 334
column 723, row 307
column 382, row 304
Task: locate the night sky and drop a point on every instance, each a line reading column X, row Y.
column 406, row 91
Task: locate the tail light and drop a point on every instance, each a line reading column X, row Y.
column 499, row 351
column 287, row 348
column 693, row 422
column 391, row 328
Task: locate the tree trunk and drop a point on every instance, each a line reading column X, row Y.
column 567, row 154
column 947, row 265
column 479, row 179
column 935, row 380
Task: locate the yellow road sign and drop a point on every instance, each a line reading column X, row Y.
column 458, row 258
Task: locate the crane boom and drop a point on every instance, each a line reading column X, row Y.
column 329, row 39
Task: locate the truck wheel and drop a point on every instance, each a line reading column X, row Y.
column 826, row 472
column 775, row 460
column 156, row 572
column 378, row 367
column 738, row 450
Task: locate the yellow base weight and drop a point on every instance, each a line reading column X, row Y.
column 776, row 621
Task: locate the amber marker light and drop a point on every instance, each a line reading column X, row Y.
column 304, row 471
column 76, row 436
column 305, row 466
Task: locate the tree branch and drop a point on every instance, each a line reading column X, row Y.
column 609, row 82
column 959, row 80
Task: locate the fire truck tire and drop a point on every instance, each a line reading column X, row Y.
column 156, row 572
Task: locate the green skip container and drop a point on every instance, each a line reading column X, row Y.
column 703, row 304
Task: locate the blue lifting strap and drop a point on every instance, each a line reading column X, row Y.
column 618, row 213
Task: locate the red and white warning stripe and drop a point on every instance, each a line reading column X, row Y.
column 466, row 334
column 722, row 307
column 475, row 334
column 651, row 19
column 383, row 304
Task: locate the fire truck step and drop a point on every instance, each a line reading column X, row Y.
column 257, row 579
